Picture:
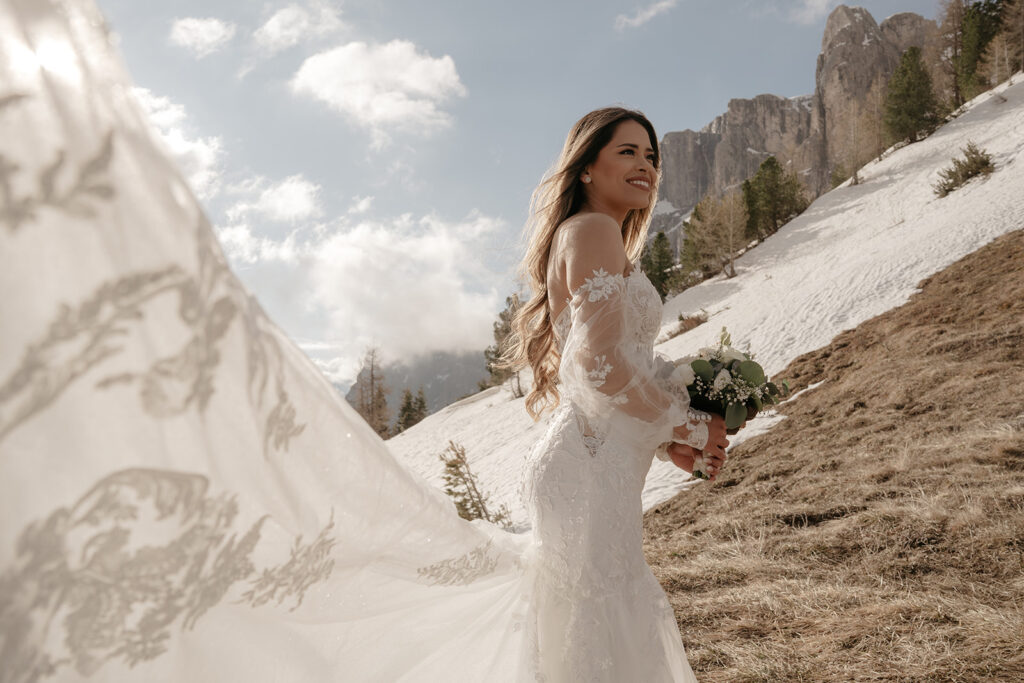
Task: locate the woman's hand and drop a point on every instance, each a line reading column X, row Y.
column 717, row 441
column 683, row 456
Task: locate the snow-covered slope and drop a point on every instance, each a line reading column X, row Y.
column 855, row 253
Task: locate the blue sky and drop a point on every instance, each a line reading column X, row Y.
column 368, row 163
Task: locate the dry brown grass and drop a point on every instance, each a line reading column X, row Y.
column 687, row 323
column 878, row 532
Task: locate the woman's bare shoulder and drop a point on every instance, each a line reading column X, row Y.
column 590, row 220
column 591, row 241
column 589, row 227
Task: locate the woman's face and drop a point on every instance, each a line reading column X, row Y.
column 623, row 174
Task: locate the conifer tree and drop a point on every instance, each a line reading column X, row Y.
column 412, row 410
column 371, row 394
column 502, row 329
column 657, row 262
column 1004, row 54
column 420, row 406
column 750, row 200
column 461, row 484
column 910, row 107
column 981, row 23
column 1013, row 30
column 772, row 197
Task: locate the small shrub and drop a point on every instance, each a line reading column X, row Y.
column 975, row 162
column 461, row 484
column 687, row 323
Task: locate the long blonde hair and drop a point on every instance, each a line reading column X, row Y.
column 559, row 196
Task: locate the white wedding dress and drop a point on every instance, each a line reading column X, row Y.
column 184, row 497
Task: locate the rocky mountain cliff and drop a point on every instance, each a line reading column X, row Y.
column 837, row 126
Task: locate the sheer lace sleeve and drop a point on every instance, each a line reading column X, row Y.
column 603, row 371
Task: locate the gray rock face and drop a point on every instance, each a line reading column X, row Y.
column 907, row 29
column 857, row 57
column 731, row 148
column 813, row 134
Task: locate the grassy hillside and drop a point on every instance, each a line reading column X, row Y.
column 878, row 532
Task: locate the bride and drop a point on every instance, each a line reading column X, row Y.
column 592, row 321
column 184, row 497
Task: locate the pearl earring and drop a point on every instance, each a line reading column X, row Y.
column 586, row 179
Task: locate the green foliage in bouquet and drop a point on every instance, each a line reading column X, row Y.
column 728, row 382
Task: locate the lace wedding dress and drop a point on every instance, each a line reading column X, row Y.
column 184, row 497
column 599, row 612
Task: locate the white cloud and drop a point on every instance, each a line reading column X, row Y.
column 242, row 247
column 382, row 87
column 643, row 14
column 360, row 205
column 198, row 158
column 409, row 286
column 811, row 11
column 293, row 24
column 289, row 201
column 201, row 36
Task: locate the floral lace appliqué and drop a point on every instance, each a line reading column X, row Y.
column 601, row 286
column 463, row 569
column 597, row 375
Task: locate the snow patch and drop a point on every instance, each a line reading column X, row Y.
column 662, row 207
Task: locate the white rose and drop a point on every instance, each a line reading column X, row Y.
column 730, row 354
column 683, row 375
column 723, row 380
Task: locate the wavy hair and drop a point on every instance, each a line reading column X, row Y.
column 559, row 196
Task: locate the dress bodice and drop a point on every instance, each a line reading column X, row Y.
column 643, row 314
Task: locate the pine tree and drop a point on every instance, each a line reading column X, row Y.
column 910, row 107
column 1013, row 29
column 753, row 205
column 461, row 484
column 412, row 410
column 371, row 394
column 1004, row 54
column 657, row 263
column 420, row 406
column 502, row 329
column 981, row 23
column 771, row 198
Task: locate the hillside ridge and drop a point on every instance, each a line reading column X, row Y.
column 877, row 533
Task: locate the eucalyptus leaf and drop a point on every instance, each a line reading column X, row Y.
column 752, row 373
column 703, row 369
column 735, row 415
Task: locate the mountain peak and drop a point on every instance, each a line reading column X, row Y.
column 848, row 25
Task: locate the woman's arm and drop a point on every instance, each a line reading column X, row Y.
column 598, row 371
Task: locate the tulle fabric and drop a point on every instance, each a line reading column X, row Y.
column 184, row 497
column 609, row 370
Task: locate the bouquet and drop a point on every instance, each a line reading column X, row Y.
column 724, row 381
